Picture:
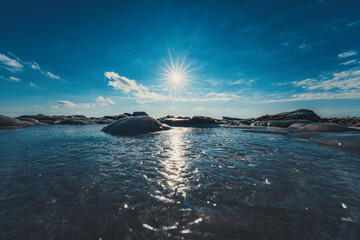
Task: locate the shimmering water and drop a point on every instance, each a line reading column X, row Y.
column 75, row 182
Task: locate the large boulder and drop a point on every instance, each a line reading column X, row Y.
column 11, row 123
column 8, row 122
column 135, row 125
column 297, row 114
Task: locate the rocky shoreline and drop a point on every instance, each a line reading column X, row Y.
column 302, row 123
column 283, row 120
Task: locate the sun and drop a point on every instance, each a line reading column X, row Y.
column 176, row 77
column 176, row 74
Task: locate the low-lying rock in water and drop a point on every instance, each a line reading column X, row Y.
column 297, row 114
column 33, row 120
column 196, row 121
column 280, row 123
column 341, row 140
column 74, row 121
column 11, row 123
column 324, row 127
column 135, row 125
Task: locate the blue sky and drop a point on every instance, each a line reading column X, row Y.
column 246, row 58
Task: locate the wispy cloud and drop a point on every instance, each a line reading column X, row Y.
column 348, row 54
column 357, row 22
column 15, row 64
column 10, row 64
column 243, row 81
column 353, row 61
column 67, row 103
column 13, row 79
column 50, row 75
column 199, row 109
column 54, row 107
column 104, row 101
column 33, row 85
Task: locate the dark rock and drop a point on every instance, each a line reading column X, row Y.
column 33, row 120
column 298, row 114
column 74, row 121
column 121, row 116
column 8, row 122
column 135, row 114
column 110, row 117
column 134, row 126
column 324, row 127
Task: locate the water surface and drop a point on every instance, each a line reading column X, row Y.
column 76, row 182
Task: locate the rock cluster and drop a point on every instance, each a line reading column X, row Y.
column 41, row 119
column 196, row 121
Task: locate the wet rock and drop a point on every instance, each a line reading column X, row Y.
column 324, row 127
column 135, row 114
column 341, row 140
column 196, row 121
column 79, row 116
column 74, row 121
column 297, row 125
column 203, row 119
column 33, row 120
column 285, row 123
column 121, row 116
column 8, row 122
column 135, row 125
column 297, row 114
column 110, row 117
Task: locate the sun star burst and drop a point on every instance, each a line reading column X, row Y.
column 176, row 74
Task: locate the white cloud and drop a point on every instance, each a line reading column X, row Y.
column 302, row 46
column 54, row 107
column 67, row 103
column 354, row 61
column 12, row 79
column 243, row 81
column 144, row 95
column 50, row 75
column 10, row 64
column 15, row 79
column 71, row 104
column 104, row 101
column 34, row 65
column 348, row 54
column 33, row 85
column 198, row 109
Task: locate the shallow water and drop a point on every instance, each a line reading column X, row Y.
column 76, row 182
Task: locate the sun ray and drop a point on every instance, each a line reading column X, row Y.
column 176, row 74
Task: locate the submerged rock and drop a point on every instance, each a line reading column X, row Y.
column 135, row 125
column 341, row 140
column 324, row 127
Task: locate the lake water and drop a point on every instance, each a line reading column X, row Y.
column 76, row 182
